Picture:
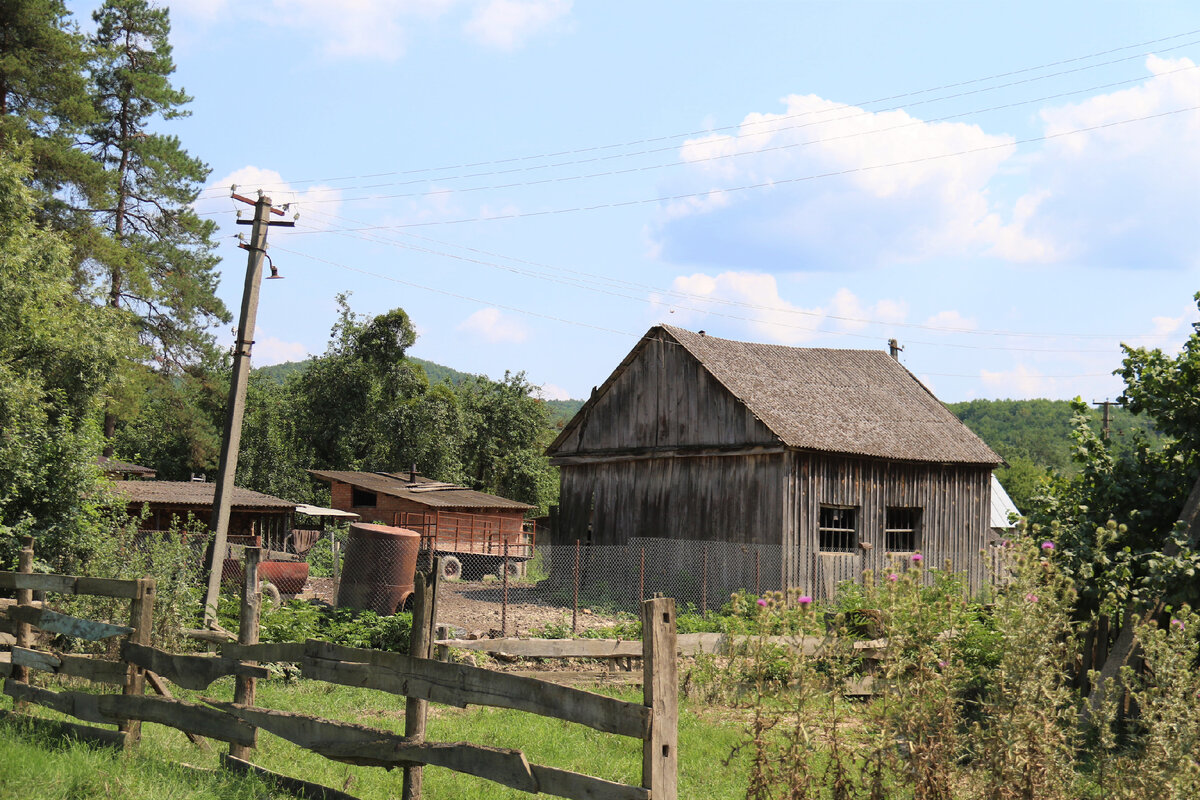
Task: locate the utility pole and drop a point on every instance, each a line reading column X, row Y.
column 236, row 405
column 1106, row 404
column 895, row 349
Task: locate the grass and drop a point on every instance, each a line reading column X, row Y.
column 34, row 768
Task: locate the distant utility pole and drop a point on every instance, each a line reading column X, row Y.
column 1107, row 404
column 895, row 349
column 232, row 438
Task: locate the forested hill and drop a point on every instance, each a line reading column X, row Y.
column 561, row 411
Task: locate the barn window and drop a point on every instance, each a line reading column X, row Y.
column 361, row 498
column 902, row 530
column 837, row 529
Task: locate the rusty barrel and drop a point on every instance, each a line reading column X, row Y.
column 378, row 571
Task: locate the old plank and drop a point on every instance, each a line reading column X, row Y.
column 561, row 783
column 190, row 672
column 93, row 668
column 206, row 635
column 294, row 786
column 571, row 677
column 67, row 730
column 358, row 744
column 107, row 587
column 689, row 644
column 660, row 687
column 245, row 687
column 160, row 686
column 58, row 584
column 67, row 625
column 266, row 651
column 461, row 685
column 117, row 708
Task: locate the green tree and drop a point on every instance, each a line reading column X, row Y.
column 45, row 102
column 57, row 354
column 156, row 259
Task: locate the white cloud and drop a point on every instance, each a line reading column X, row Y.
column 321, row 201
column 495, row 327
column 508, row 24
column 859, row 215
column 951, row 319
column 1118, row 194
column 1022, row 381
column 754, row 298
column 552, row 391
column 273, row 350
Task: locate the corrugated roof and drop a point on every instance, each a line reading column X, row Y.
column 859, row 402
column 194, row 493
column 424, row 490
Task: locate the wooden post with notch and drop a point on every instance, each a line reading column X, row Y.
column 420, row 645
column 660, row 685
column 141, row 619
column 244, row 688
column 24, row 631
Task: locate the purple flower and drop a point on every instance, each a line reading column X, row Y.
column 1178, row 623
column 1031, row 598
column 804, row 600
column 893, row 577
column 917, row 558
column 762, row 601
column 1047, row 545
column 942, row 664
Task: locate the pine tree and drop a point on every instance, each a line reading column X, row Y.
column 45, row 103
column 156, row 260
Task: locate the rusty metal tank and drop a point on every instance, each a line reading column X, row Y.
column 379, row 568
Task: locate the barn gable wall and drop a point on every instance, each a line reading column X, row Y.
column 664, row 398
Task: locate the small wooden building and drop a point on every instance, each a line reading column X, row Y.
column 472, row 530
column 830, row 461
column 170, row 502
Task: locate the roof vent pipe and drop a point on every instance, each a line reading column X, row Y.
column 412, row 478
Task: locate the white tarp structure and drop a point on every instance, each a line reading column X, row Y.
column 1002, row 506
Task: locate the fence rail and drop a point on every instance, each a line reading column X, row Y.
column 417, row 677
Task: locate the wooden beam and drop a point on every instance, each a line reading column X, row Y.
column 646, row 453
column 160, row 687
column 190, row 672
column 420, row 645
column 561, row 783
column 245, row 687
column 295, row 786
column 57, row 584
column 270, row 652
column 23, row 633
column 93, row 668
column 688, row 644
column 141, row 623
column 117, row 708
column 461, row 685
column 67, row 625
column 358, row 744
column 206, row 635
column 67, row 730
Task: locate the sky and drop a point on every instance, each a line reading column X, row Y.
column 1007, row 189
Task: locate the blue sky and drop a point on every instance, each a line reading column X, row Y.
column 1009, row 189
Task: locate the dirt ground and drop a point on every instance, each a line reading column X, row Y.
column 474, row 608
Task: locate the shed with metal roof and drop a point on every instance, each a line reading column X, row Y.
column 833, row 462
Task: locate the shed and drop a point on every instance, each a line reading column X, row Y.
column 473, row 530
column 826, row 462
column 170, row 502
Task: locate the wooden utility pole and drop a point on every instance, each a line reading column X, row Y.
column 1107, row 404
column 236, row 406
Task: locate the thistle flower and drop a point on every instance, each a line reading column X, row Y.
column 762, row 601
column 1032, row 598
column 1047, row 546
column 917, row 558
column 804, row 600
column 893, row 577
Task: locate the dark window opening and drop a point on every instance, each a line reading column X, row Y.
column 902, row 530
column 361, row 498
column 837, row 529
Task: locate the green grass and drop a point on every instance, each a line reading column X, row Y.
column 33, row 768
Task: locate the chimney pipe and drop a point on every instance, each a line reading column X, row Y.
column 412, row 478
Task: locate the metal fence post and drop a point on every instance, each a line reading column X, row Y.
column 575, row 601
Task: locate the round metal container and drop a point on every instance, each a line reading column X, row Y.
column 379, row 568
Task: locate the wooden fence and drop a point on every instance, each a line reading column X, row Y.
column 416, row 676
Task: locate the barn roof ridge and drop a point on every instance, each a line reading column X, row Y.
column 424, row 490
column 852, row 402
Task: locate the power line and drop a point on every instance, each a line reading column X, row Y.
column 768, row 184
column 709, row 131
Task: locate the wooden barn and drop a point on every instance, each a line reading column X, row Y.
column 825, row 462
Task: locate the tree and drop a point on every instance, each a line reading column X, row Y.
column 57, row 354
column 157, row 259
column 44, row 102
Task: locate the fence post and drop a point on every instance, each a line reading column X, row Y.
column 24, row 631
column 244, row 688
column 660, row 682
column 504, row 599
column 420, row 645
column 575, row 601
column 141, row 619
